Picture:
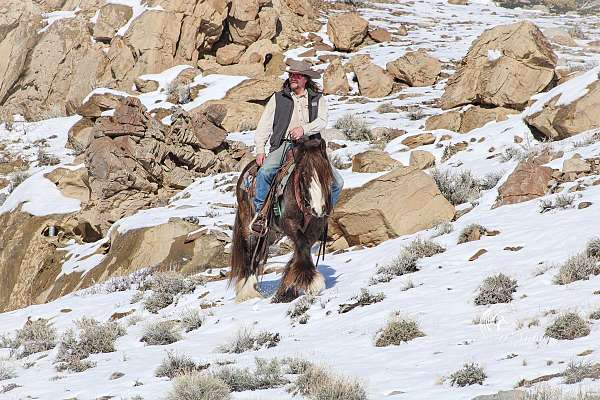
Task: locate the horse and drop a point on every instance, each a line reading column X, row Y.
column 306, row 205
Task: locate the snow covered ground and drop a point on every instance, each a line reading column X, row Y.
column 439, row 296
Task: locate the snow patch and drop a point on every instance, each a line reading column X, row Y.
column 494, row 55
column 51, row 17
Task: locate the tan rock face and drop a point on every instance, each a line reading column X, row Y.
column 561, row 121
column 373, row 81
column 71, row 183
column 504, row 67
column 335, row 80
column 380, row 35
column 465, row 121
column 528, row 181
column 401, row 202
column 347, row 31
column 416, row 68
column 421, row 159
column 419, row 140
column 295, row 17
column 230, row 54
column 110, row 19
column 258, row 52
column 244, row 10
column 560, row 36
column 254, row 89
column 239, row 116
column 98, row 103
column 575, row 165
column 373, row 161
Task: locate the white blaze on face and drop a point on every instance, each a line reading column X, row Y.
column 317, row 200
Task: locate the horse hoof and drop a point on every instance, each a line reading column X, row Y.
column 246, row 290
column 317, row 285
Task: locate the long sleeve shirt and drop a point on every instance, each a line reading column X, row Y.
column 264, row 130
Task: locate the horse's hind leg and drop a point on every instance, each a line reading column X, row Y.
column 300, row 275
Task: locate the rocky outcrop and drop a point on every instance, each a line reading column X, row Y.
column 347, row 31
column 237, row 115
column 554, row 118
column 400, row 202
column 528, row 181
column 373, row 161
column 335, row 80
column 111, row 17
column 373, row 81
column 504, row 67
column 415, row 68
column 421, row 159
column 464, row 121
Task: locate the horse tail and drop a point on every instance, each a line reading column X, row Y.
column 241, row 267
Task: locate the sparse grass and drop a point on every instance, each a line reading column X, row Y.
column 296, row 365
column 191, row 319
column 595, row 314
column 592, row 248
column 469, row 232
column 578, row 371
column 546, row 392
column 365, row 298
column 301, row 306
column 354, row 127
column 166, row 286
column 17, row 178
column 496, row 289
column 35, row 336
column 199, row 386
column 457, row 188
column 93, row 338
column 469, row 374
column 177, row 364
column 266, row 375
column 568, row 326
column 384, row 108
column 120, row 284
column 421, row 248
column 398, row 330
column 561, row 202
column 7, row 371
column 576, row 268
column 316, row 383
column 246, row 340
column 443, row 228
column 44, row 158
column 491, row 179
column 160, row 333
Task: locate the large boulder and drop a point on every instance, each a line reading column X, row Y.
column 464, row 121
column 504, row 67
column 238, row 116
column 230, row 54
column 401, row 202
column 528, row 181
column 335, row 80
column 255, row 89
column 111, row 17
column 415, row 68
column 347, row 30
column 373, row 81
column 373, row 161
column 568, row 109
column 295, row 17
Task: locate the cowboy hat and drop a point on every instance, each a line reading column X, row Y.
column 301, row 67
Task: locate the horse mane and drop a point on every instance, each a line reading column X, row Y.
column 311, row 156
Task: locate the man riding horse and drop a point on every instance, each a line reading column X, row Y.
column 297, row 111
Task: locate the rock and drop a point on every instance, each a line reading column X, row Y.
column 244, row 32
column 504, row 67
column 145, row 86
column 195, row 130
column 504, row 395
column 240, row 116
column 295, row 18
column 584, row 204
column 458, row 2
column 421, row 159
column 268, row 19
column 548, row 117
column 258, row 52
column 230, row 54
column 477, row 254
column 400, row 202
column 415, row 68
column 575, row 165
column 380, row 35
column 469, row 119
column 373, row 161
column 80, row 135
column 402, row 31
column 335, row 80
column 356, row 60
column 96, row 104
column 421, row 139
column 254, row 89
column 560, row 36
column 244, row 10
column 528, row 181
column 347, row 30
column 71, row 183
column 255, row 70
column 111, row 17
column 373, row 81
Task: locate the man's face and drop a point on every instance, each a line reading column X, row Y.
column 297, row 81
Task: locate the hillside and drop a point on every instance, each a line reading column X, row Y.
column 485, row 160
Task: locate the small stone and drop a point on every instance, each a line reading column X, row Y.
column 584, row 204
column 513, row 248
column 116, row 375
column 478, row 254
column 518, row 139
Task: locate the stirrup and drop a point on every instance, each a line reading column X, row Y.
column 258, row 225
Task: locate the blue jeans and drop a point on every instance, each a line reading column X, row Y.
column 269, row 169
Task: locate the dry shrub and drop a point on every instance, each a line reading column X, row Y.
column 246, row 340
column 469, row 374
column 160, row 333
column 496, row 289
column 568, row 326
column 177, row 364
column 266, row 375
column 354, row 127
column 199, row 386
column 317, row 383
column 398, row 330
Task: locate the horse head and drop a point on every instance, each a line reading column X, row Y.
column 313, row 176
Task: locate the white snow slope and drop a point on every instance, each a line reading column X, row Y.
column 439, row 296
